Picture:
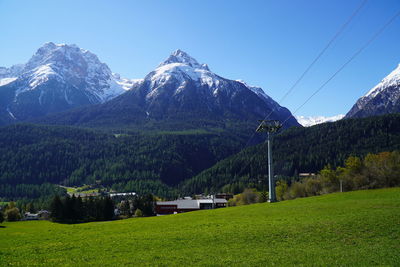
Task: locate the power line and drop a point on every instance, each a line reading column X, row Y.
column 338, row 33
column 373, row 38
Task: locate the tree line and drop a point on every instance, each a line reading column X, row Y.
column 76, row 210
column 299, row 150
column 372, row 171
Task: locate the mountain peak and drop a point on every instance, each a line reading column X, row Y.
column 179, row 56
column 382, row 99
column 393, row 79
column 59, row 54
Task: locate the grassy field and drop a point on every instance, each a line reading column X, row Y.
column 80, row 190
column 349, row 229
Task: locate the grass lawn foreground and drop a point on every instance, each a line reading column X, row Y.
column 349, row 229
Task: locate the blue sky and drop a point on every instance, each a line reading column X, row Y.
column 268, row 43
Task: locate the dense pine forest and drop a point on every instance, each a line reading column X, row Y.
column 32, row 155
column 300, row 150
column 34, row 159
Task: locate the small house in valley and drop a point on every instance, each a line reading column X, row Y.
column 188, row 204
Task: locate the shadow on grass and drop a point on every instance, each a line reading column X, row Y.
column 2, row 226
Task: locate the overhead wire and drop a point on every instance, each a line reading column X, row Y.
column 359, row 51
column 338, row 33
column 321, row 53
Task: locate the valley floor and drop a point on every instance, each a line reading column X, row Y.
column 359, row 228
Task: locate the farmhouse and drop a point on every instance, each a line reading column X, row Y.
column 41, row 215
column 31, row 216
column 189, row 204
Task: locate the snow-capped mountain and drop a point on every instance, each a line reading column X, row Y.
column 181, row 89
column 181, row 85
column 57, row 77
column 382, row 99
column 307, row 121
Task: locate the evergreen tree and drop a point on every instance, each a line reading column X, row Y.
column 68, row 210
column 30, row 207
column 57, row 209
column 108, row 208
column 125, row 208
column 79, row 209
column 1, row 217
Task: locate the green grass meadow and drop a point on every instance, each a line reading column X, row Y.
column 359, row 228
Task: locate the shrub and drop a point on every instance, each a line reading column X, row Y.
column 281, row 189
column 13, row 214
column 138, row 213
column 312, row 186
column 297, row 190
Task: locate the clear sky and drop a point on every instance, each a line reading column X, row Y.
column 267, row 43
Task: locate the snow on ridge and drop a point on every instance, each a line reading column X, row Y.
column 127, row 84
column 392, row 79
column 182, row 71
column 5, row 81
column 308, row 121
column 179, row 56
column 256, row 89
column 41, row 74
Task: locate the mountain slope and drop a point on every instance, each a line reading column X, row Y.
column 180, row 90
column 301, row 150
column 58, row 77
column 32, row 155
column 384, row 98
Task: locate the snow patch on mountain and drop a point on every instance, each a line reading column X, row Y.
column 10, row 113
column 5, row 81
column 40, row 75
column 181, row 72
column 180, row 68
column 125, row 83
column 393, row 79
column 307, row 121
column 179, row 56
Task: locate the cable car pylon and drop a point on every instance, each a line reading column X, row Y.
column 270, row 127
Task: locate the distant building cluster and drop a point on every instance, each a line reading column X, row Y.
column 192, row 204
column 41, row 215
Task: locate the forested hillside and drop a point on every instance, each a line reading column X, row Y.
column 300, row 150
column 142, row 162
column 33, row 158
